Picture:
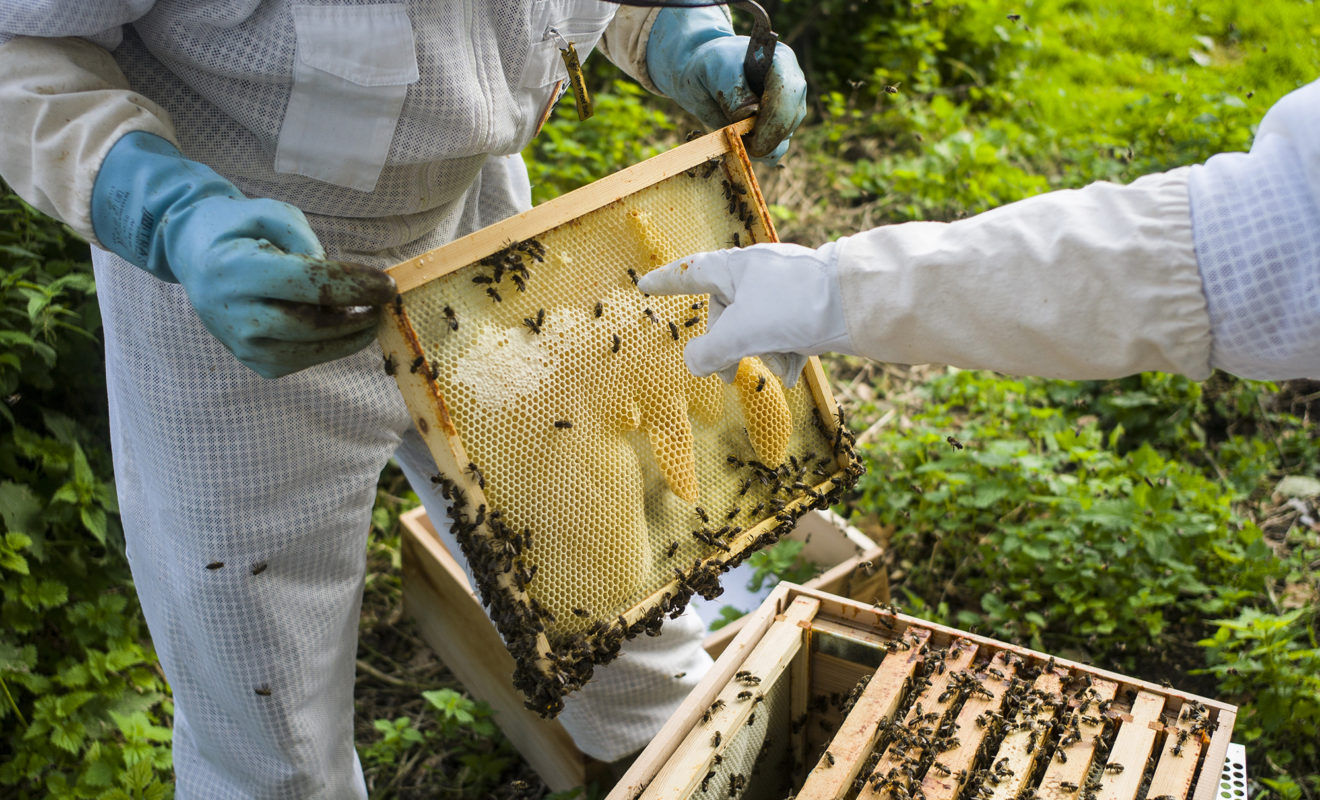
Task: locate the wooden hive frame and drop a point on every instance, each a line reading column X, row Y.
column 546, row 669
column 439, row 597
column 939, row 714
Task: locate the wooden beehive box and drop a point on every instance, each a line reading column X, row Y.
column 438, row 595
column 824, row 697
column 594, row 484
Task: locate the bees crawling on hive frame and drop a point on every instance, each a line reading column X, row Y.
column 877, row 705
column 612, row 484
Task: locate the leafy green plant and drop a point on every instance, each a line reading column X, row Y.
column 781, row 561
column 83, row 709
column 397, row 736
column 1273, row 660
column 628, row 127
column 726, row 615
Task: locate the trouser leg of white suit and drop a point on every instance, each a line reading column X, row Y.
column 246, row 504
column 628, row 700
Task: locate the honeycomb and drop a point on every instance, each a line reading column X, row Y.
column 595, row 483
column 755, row 762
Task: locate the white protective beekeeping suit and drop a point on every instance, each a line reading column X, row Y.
column 395, row 127
column 1207, row 266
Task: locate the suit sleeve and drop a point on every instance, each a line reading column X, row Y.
column 64, row 103
column 1097, row 282
column 624, row 42
column 1256, row 224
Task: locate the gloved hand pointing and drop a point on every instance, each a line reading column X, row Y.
column 253, row 269
column 777, row 301
column 694, row 58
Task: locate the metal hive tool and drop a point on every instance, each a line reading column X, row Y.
column 595, row 485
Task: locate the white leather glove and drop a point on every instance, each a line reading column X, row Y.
column 780, row 302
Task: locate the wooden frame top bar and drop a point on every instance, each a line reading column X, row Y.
column 459, row 253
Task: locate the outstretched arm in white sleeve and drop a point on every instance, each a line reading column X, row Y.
column 1199, row 267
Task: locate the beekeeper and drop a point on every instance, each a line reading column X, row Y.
column 244, row 168
column 1201, row 267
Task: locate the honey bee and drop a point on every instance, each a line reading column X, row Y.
column 258, row 567
column 476, row 474
column 215, row 565
column 520, row 282
column 600, row 309
column 494, row 295
column 954, row 443
column 673, row 548
column 450, row 318
column 716, row 739
column 679, row 675
column 483, row 280
column 614, row 346
column 673, row 330
column 534, row 324
column 262, row 690
column 563, row 424
column 390, row 366
column 701, row 514
column 581, row 612
column 760, row 383
column 417, row 364
column 829, row 758
column 650, row 315
column 632, row 275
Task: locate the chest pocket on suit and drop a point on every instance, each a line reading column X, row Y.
column 351, row 72
column 552, row 23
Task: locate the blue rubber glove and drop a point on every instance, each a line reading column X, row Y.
column 253, row 269
column 695, row 59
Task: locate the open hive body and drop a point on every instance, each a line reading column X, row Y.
column 595, row 484
column 822, row 697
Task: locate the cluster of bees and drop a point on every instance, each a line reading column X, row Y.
column 916, row 738
column 510, row 261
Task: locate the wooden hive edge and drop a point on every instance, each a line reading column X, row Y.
column 463, row 251
column 671, row 736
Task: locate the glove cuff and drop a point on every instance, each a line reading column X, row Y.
column 142, row 179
